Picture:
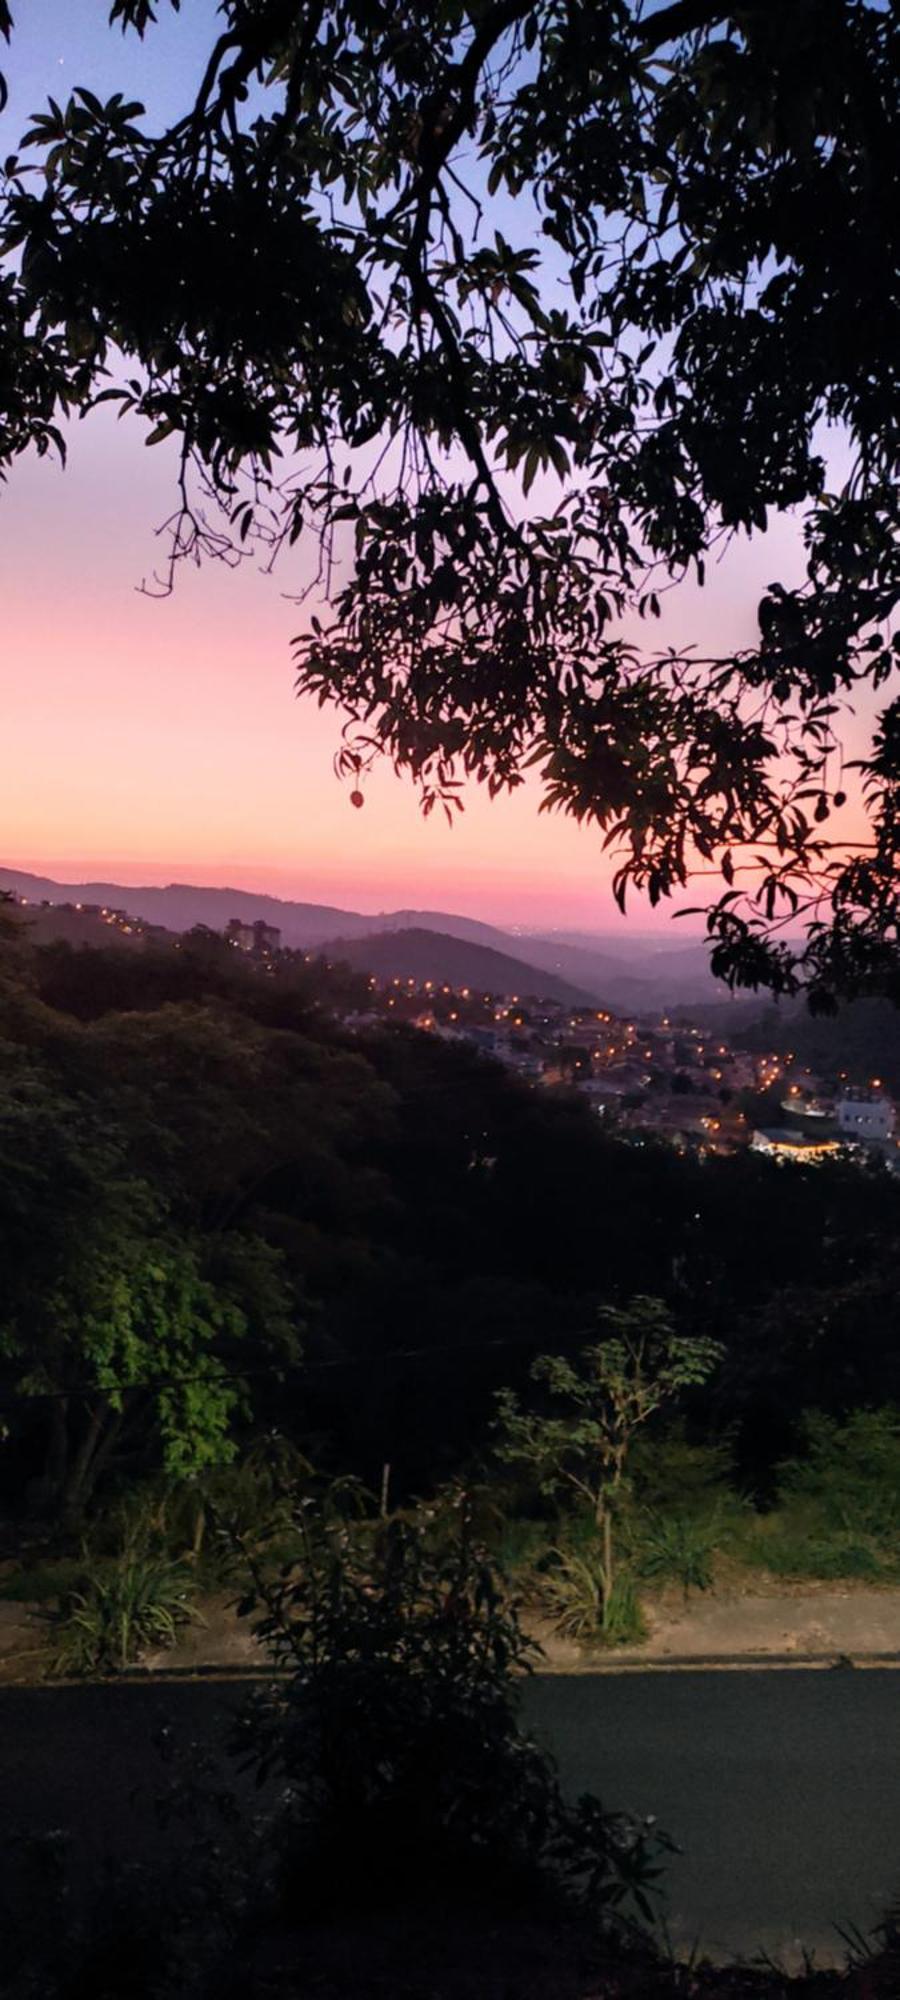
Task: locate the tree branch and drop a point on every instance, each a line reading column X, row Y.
column 683, row 17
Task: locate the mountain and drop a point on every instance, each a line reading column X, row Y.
column 645, row 976
column 449, row 961
column 180, row 905
column 80, row 927
column 602, row 974
column 450, row 925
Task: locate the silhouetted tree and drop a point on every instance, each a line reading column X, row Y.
column 520, row 307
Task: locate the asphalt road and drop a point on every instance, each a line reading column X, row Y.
column 782, row 1789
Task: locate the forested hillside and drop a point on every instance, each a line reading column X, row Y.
column 222, row 1213
column 861, row 1040
column 422, row 954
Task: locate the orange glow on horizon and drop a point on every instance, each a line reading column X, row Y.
column 157, row 740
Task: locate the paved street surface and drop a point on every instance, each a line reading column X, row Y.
column 782, row 1788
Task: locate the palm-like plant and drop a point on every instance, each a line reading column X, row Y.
column 138, row 1600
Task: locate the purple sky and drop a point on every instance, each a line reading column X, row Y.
column 152, row 738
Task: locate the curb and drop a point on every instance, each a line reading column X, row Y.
column 212, row 1675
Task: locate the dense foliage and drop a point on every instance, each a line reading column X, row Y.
column 225, row 1214
column 861, row 1041
column 396, row 1737
column 520, row 309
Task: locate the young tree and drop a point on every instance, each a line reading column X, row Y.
column 599, row 1403
column 122, row 1351
column 521, row 307
column 125, row 1324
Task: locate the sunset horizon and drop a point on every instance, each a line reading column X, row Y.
column 535, row 910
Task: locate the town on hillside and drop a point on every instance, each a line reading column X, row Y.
column 659, row 1076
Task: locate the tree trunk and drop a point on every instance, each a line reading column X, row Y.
column 104, row 1450
column 56, row 1465
column 608, row 1575
column 81, row 1475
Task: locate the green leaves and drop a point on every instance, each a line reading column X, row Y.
column 395, row 1730
column 608, row 1393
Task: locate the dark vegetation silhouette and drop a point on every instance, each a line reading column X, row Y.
column 519, row 311
column 254, row 1262
column 223, row 1212
column 240, row 1240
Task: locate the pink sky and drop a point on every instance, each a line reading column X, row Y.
column 153, row 740
column 149, row 740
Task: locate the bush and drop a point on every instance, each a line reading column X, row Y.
column 839, row 1500
column 572, row 1589
column 402, row 1766
column 253, row 1497
column 624, row 1623
column 136, row 1600
column 849, row 1473
column 40, row 1581
column 678, row 1548
column 671, row 1475
column 791, row 1544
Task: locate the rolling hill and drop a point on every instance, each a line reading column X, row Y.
column 423, row 954
column 641, row 976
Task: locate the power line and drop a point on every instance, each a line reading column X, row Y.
column 278, row 1370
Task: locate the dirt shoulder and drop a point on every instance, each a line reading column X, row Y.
column 763, row 1621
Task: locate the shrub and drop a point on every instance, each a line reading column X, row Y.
column 624, row 1623
column 678, row 1547
column 253, row 1496
column 671, row 1474
column 402, row 1766
column 849, row 1473
column 580, row 1607
column 572, row 1591
column 136, row 1600
column 40, row 1582
column 789, row 1543
column 517, row 1545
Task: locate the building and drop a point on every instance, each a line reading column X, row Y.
column 259, row 939
column 240, row 935
column 803, row 1148
column 866, row 1116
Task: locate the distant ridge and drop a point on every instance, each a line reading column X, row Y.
column 180, row 905
column 423, row 954
column 634, row 978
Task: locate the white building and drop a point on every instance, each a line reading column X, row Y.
column 866, row 1116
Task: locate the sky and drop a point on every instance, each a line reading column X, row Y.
column 154, row 739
